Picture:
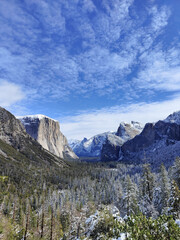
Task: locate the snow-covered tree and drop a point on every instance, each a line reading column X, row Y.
column 129, row 202
column 174, row 201
column 165, row 189
column 176, row 171
column 147, row 192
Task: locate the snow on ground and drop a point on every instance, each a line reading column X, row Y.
column 173, row 118
column 178, row 222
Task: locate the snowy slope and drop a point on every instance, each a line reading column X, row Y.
column 90, row 147
column 73, row 143
column 112, row 145
column 93, row 147
column 158, row 143
column 129, row 130
column 33, row 117
column 173, row 118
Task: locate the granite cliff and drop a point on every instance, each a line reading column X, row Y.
column 158, row 143
column 111, row 147
column 47, row 132
column 13, row 138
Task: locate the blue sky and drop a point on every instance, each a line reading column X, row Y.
column 90, row 63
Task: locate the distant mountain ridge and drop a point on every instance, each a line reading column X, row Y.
column 47, row 132
column 126, row 131
column 93, row 146
column 90, row 147
column 158, row 143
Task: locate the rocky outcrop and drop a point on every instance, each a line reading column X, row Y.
column 47, row 132
column 11, row 129
column 159, row 142
column 129, row 130
column 13, row 133
column 106, row 146
column 112, row 145
column 90, row 147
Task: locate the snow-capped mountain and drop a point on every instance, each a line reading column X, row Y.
column 90, row 147
column 93, row 147
column 126, row 131
column 158, row 142
column 47, row 132
column 173, row 118
column 129, row 130
column 73, row 143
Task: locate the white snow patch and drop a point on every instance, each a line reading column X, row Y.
column 33, row 117
column 123, row 236
column 177, row 222
column 173, row 118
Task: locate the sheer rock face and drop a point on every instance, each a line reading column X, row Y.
column 11, row 129
column 111, row 148
column 47, row 132
column 13, row 133
column 158, row 142
column 112, row 145
column 129, row 130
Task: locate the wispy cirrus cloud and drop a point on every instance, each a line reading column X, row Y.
column 60, row 48
column 57, row 42
column 161, row 70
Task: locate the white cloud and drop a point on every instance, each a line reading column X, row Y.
column 89, row 6
column 159, row 17
column 108, row 119
column 160, row 70
column 10, row 93
column 105, row 58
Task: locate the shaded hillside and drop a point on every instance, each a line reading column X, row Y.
column 111, row 147
column 13, row 133
column 158, row 142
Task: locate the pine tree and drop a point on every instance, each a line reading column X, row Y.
column 147, row 191
column 174, row 201
column 52, row 222
column 176, row 171
column 27, row 220
column 165, row 189
column 130, row 197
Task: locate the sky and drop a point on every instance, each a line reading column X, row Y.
column 90, row 64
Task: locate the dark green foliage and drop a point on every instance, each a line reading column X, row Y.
column 73, row 189
column 174, row 201
column 65, row 221
column 137, row 227
column 140, row 227
column 107, row 226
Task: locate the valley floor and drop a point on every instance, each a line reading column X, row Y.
column 91, row 201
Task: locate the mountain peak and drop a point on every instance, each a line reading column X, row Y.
column 36, row 116
column 133, row 124
column 173, row 118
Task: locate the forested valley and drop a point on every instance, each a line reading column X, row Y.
column 90, row 201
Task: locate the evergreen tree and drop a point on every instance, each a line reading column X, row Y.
column 147, row 191
column 130, row 197
column 176, row 171
column 174, row 201
column 165, row 189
